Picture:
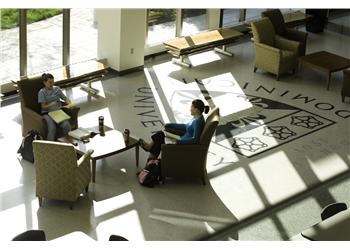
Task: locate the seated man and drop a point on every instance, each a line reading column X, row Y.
column 50, row 99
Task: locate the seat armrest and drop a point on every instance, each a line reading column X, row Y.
column 176, row 148
column 33, row 115
column 73, row 113
column 297, row 35
column 85, row 158
column 285, row 44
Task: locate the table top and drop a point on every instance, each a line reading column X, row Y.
column 296, row 18
column 335, row 228
column 203, row 38
column 111, row 143
column 325, row 61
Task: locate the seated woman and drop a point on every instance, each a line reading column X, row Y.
column 191, row 131
column 50, row 99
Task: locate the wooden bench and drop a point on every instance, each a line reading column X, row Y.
column 184, row 46
column 67, row 76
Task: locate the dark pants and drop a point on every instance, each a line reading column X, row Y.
column 158, row 140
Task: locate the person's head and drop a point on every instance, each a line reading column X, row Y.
column 198, row 107
column 48, row 80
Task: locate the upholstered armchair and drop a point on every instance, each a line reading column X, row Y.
column 345, row 91
column 278, row 23
column 59, row 175
column 274, row 53
column 190, row 160
column 31, row 110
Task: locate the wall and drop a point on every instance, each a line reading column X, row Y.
column 121, row 37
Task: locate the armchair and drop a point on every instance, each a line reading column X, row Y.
column 190, row 160
column 278, row 23
column 274, row 53
column 59, row 175
column 31, row 110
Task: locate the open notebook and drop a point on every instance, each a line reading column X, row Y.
column 59, row 116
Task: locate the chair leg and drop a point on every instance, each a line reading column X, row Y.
column 343, row 98
column 87, row 188
column 255, row 68
column 40, row 201
column 203, row 181
column 277, row 77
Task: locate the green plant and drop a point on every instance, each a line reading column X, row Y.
column 10, row 17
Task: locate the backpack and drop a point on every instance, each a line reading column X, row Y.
column 26, row 148
column 150, row 175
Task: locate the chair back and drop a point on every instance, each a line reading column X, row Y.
column 31, row 235
column 55, row 164
column 28, row 92
column 276, row 19
column 332, row 209
column 263, row 31
column 211, row 123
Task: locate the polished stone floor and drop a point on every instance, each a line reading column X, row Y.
column 242, row 180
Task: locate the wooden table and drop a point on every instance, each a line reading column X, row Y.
column 335, row 228
column 182, row 46
column 111, row 143
column 326, row 62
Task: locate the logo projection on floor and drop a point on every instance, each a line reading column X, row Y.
column 268, row 125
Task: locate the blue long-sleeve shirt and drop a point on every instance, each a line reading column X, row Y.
column 193, row 130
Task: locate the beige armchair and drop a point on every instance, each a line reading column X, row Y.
column 273, row 53
column 31, row 110
column 190, row 160
column 345, row 91
column 279, row 25
column 59, row 175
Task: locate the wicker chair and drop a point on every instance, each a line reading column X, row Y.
column 278, row 23
column 59, row 175
column 274, row 53
column 31, row 110
column 190, row 160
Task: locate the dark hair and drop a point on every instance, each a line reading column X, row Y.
column 199, row 104
column 46, row 76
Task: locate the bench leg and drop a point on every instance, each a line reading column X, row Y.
column 181, row 62
column 223, row 51
column 87, row 88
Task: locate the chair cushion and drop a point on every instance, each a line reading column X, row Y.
column 29, row 89
column 276, row 19
column 263, row 31
column 210, row 126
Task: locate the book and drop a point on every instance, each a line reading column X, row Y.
column 80, row 133
column 59, row 116
column 171, row 135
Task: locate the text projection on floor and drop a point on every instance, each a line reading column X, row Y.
column 269, row 123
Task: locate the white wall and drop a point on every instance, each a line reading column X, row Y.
column 213, row 17
column 121, row 37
